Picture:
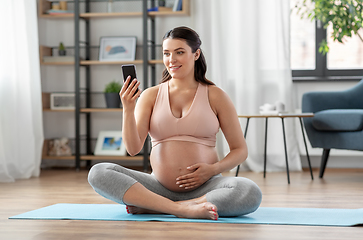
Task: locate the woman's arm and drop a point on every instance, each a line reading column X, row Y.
column 136, row 115
column 228, row 120
column 231, row 128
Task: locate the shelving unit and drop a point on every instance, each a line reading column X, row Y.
column 47, row 51
column 87, row 63
column 45, row 6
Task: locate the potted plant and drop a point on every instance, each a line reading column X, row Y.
column 346, row 17
column 112, row 97
column 61, row 49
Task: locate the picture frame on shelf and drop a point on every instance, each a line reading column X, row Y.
column 117, row 48
column 110, row 143
column 62, row 101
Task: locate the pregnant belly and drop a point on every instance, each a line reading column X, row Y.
column 170, row 160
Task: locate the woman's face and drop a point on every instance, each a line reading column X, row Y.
column 178, row 58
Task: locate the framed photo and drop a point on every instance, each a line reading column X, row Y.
column 110, row 143
column 117, row 48
column 62, row 101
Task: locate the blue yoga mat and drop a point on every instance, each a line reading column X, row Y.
column 264, row 215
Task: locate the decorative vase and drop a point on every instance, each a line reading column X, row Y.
column 112, row 100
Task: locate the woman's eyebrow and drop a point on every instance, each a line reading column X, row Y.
column 177, row 49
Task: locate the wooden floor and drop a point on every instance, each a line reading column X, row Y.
column 338, row 189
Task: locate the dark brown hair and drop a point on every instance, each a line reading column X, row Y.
column 194, row 42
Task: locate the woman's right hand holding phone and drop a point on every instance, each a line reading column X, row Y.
column 129, row 93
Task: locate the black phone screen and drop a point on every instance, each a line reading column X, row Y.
column 129, row 70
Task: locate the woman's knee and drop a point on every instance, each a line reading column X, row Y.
column 252, row 195
column 237, row 196
column 245, row 197
column 97, row 174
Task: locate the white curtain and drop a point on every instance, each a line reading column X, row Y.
column 246, row 44
column 21, row 130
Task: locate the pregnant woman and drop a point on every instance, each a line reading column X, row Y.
column 182, row 114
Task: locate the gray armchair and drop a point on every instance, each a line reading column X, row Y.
column 338, row 120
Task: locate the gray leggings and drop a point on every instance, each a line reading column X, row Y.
column 233, row 196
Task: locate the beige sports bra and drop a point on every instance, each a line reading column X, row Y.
column 199, row 124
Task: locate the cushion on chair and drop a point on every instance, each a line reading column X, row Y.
column 339, row 120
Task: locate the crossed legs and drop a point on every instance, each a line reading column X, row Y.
column 228, row 196
column 139, row 196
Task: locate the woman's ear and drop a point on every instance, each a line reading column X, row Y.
column 197, row 54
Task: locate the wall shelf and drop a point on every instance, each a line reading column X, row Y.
column 47, row 51
column 156, row 61
column 93, row 157
column 83, row 85
column 85, row 110
column 44, row 6
column 110, row 15
column 59, row 157
column 87, row 157
column 96, row 62
column 94, row 110
column 57, row 63
column 57, row 110
column 128, row 158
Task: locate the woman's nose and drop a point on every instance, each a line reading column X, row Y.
column 172, row 58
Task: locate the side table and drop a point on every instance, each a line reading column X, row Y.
column 282, row 116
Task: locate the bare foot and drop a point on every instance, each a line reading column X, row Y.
column 136, row 210
column 204, row 210
column 202, row 199
column 191, row 209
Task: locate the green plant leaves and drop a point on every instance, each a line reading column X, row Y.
column 61, row 47
column 113, row 87
column 345, row 16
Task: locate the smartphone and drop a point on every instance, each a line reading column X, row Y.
column 129, row 70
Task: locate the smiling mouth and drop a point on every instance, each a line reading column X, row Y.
column 175, row 68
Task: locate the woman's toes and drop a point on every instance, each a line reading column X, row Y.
column 131, row 209
column 214, row 215
column 213, row 211
column 211, row 207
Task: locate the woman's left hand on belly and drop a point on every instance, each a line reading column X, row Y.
column 199, row 174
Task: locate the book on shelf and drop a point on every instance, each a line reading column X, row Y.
column 159, row 9
column 50, row 59
column 178, row 5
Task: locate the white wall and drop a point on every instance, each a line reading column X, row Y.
column 61, row 78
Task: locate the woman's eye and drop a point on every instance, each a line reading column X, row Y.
column 166, row 54
column 180, row 53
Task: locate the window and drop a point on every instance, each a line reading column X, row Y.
column 343, row 61
column 345, row 56
column 302, row 44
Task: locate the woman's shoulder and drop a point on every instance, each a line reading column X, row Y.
column 150, row 92
column 218, row 98
column 215, row 93
column 148, row 97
